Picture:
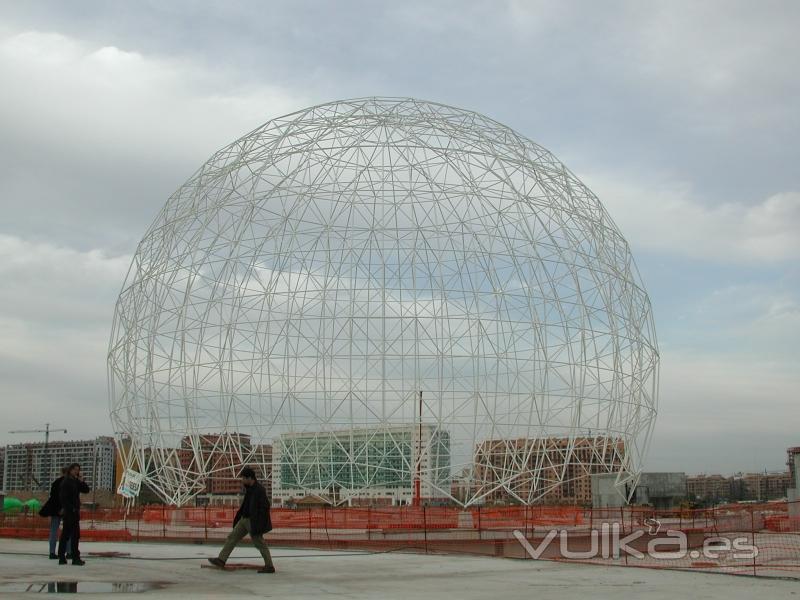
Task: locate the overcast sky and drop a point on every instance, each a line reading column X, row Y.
column 683, row 117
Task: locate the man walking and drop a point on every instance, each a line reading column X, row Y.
column 70, row 497
column 252, row 518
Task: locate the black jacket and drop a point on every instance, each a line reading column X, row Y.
column 69, row 494
column 53, row 504
column 256, row 507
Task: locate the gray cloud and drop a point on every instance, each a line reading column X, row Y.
column 681, row 116
column 56, row 306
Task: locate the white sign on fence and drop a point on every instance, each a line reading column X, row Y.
column 131, row 484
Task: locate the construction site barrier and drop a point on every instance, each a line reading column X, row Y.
column 715, row 539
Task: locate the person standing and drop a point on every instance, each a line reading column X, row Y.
column 52, row 509
column 70, row 497
column 252, row 518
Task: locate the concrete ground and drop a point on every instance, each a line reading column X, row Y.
column 317, row 574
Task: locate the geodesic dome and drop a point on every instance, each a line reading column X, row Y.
column 415, row 277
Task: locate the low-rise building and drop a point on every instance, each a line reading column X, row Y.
column 713, row 488
column 758, row 487
column 218, row 459
column 362, row 466
column 761, row 487
column 549, row 470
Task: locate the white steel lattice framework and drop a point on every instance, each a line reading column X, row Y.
column 318, row 274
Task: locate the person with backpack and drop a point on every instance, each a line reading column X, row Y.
column 52, row 509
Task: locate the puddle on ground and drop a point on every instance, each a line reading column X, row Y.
column 82, row 587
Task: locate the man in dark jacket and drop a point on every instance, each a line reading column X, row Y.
column 70, row 497
column 52, row 509
column 252, row 518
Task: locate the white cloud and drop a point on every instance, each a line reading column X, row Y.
column 56, row 305
column 668, row 217
column 95, row 138
column 732, row 62
column 751, row 304
column 718, row 66
column 724, row 413
column 729, row 381
column 73, row 95
column 55, row 286
column 758, row 321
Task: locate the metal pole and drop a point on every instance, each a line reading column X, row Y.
column 46, row 461
column 417, row 474
column 753, row 539
column 94, row 477
column 425, row 523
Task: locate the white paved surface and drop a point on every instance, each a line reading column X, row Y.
column 319, row 574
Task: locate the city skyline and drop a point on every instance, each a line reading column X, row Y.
column 784, row 467
column 689, row 148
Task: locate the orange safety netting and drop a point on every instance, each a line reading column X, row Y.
column 709, row 535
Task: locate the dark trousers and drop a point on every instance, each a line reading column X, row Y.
column 70, row 532
column 241, row 529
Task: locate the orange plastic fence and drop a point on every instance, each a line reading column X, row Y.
column 371, row 518
column 773, row 528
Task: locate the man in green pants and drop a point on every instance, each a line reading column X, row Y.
column 253, row 519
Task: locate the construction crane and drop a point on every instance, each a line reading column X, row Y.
column 46, row 466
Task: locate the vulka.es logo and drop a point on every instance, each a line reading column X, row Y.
column 608, row 542
column 653, row 526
